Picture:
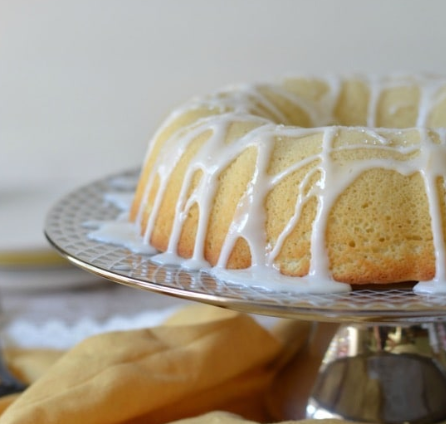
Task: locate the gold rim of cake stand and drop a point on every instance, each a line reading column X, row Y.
column 66, row 231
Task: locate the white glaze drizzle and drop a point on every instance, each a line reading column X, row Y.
column 121, row 200
column 241, row 104
column 375, row 91
column 122, row 234
column 434, row 160
column 119, row 231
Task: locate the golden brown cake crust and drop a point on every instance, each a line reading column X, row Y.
column 350, row 191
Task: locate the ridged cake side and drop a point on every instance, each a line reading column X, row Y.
column 338, row 179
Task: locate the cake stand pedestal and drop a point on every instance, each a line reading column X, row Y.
column 386, row 362
column 377, row 373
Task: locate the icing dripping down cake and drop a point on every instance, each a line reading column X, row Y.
column 311, row 182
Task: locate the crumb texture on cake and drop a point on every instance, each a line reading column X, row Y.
column 336, row 178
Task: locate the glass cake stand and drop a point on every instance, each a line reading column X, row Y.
column 386, row 362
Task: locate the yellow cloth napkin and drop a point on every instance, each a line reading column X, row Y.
column 219, row 417
column 203, row 359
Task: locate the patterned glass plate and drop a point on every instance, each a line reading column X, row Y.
column 65, row 229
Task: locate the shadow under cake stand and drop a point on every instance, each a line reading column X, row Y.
column 385, row 363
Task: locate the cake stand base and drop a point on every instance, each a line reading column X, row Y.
column 367, row 373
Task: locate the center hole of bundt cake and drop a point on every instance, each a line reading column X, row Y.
column 314, row 103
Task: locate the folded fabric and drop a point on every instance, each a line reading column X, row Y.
column 219, row 417
column 203, row 359
column 216, row 417
column 30, row 364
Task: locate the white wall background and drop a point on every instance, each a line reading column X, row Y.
column 83, row 83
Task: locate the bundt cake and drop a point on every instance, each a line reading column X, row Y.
column 314, row 183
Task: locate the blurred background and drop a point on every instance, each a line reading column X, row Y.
column 84, row 83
